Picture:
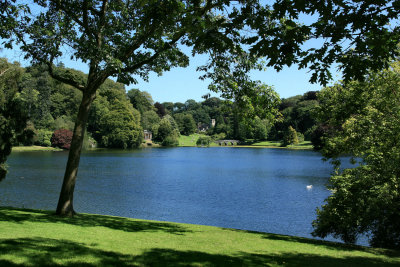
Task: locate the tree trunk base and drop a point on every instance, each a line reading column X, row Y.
column 67, row 211
column 69, row 214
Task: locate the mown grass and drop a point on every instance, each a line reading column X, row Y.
column 38, row 238
column 34, row 148
column 277, row 144
column 191, row 141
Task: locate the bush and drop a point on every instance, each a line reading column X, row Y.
column 220, row 136
column 166, row 132
column 61, row 138
column 172, row 139
column 63, row 122
column 43, row 137
column 26, row 138
column 203, row 141
column 300, row 137
column 290, row 137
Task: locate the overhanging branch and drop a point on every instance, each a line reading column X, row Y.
column 64, row 79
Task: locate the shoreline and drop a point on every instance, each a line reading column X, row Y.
column 53, row 149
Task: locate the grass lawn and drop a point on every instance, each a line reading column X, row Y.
column 38, row 238
column 277, row 144
column 34, row 148
column 191, row 140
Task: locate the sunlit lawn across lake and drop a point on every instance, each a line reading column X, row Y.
column 191, row 141
column 38, row 238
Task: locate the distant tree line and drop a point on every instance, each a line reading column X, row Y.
column 118, row 117
column 297, row 122
column 43, row 106
column 232, row 119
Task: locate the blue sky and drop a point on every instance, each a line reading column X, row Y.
column 181, row 84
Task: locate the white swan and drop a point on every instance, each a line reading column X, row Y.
column 309, row 187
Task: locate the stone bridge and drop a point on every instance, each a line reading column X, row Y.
column 227, row 142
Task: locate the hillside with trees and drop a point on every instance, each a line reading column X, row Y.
column 47, row 106
column 118, row 117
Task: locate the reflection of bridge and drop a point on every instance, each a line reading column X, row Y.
column 227, row 142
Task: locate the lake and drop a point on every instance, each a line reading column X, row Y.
column 245, row 188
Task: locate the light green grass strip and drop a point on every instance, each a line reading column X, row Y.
column 276, row 144
column 34, row 148
column 38, row 238
column 191, row 140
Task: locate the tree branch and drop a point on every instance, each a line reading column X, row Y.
column 155, row 55
column 65, row 80
column 201, row 11
column 3, row 72
column 84, row 24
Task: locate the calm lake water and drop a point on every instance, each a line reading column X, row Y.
column 244, row 188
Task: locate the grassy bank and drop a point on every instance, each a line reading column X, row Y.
column 34, row 148
column 191, row 141
column 38, row 238
column 275, row 144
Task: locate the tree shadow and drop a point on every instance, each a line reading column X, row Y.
column 90, row 220
column 51, row 252
column 325, row 244
column 170, row 257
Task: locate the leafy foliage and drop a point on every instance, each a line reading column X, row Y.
column 12, row 111
column 186, row 123
column 297, row 112
column 160, row 109
column 203, row 141
column 149, row 119
column 113, row 121
column 120, row 127
column 43, row 138
column 364, row 121
column 61, row 138
column 167, row 132
column 359, row 35
column 141, row 101
column 290, row 137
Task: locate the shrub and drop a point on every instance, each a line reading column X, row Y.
column 300, row 137
column 220, row 136
column 26, row 138
column 290, row 137
column 43, row 137
column 172, row 139
column 61, row 138
column 203, row 141
column 63, row 122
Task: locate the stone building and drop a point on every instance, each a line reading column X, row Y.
column 147, row 135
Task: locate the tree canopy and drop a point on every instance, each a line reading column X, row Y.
column 13, row 114
column 363, row 119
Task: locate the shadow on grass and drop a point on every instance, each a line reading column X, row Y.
column 325, row 244
column 50, row 252
column 89, row 220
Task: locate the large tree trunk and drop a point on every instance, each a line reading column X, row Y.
column 65, row 202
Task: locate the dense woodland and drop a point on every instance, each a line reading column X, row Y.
column 117, row 118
